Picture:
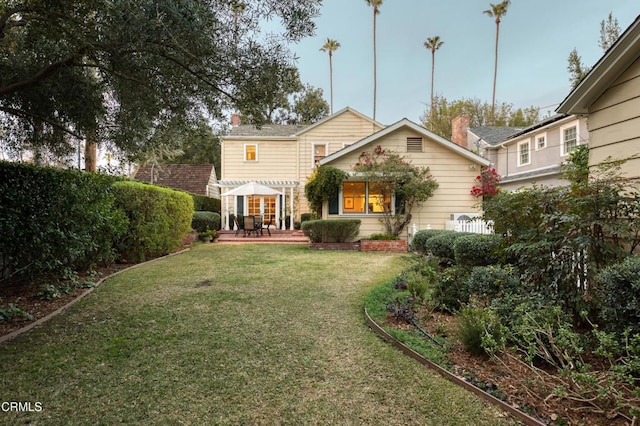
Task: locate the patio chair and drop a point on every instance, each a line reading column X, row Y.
column 238, row 227
column 250, row 225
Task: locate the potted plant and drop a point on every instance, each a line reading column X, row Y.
column 208, row 236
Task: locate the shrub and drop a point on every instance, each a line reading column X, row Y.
column 306, row 216
column 480, row 330
column 619, row 291
column 206, row 204
column 159, row 219
column 420, row 282
column 331, row 231
column 489, row 282
column 477, row 250
column 420, row 237
column 441, row 245
column 54, row 220
column 450, row 289
column 205, row 221
column 385, row 236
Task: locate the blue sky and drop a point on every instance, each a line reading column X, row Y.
column 536, row 36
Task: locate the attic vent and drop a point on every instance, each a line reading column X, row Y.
column 414, row 144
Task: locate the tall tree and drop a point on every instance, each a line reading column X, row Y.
column 577, row 70
column 155, row 61
column 330, row 46
column 309, row 106
column 375, row 4
column 496, row 11
column 432, row 44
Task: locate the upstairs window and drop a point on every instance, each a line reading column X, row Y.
column 319, row 152
column 251, row 152
column 569, row 139
column 414, row 144
column 524, row 154
column 541, row 141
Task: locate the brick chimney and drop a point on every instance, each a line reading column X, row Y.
column 459, row 127
column 235, row 119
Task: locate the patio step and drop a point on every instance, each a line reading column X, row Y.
column 277, row 236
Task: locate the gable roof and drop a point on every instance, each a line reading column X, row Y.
column 413, row 126
column 331, row 117
column 185, row 177
column 493, row 135
column 615, row 61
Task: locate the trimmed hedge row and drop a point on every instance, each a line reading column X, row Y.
column 331, row 231
column 202, row 203
column 205, row 221
column 57, row 221
column 159, row 219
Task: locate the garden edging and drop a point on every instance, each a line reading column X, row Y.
column 525, row 418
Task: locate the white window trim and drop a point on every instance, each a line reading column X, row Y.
column 244, row 152
column 519, row 152
column 313, row 152
column 546, row 141
column 575, row 124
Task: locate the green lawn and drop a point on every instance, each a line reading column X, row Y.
column 229, row 334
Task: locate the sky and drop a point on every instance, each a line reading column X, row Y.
column 536, row 37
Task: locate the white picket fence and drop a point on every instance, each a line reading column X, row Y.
column 476, row 226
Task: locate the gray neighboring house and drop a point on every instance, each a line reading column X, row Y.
column 524, row 156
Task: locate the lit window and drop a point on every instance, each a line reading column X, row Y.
column 569, row 139
column 363, row 198
column 524, row 156
column 251, row 153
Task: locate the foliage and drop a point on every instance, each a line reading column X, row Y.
column 205, row 221
column 204, row 203
column 307, row 216
column 331, row 231
column 159, row 219
column 394, row 176
column 322, row 184
column 13, row 313
column 198, row 145
column 480, row 330
column 450, row 291
column 53, row 220
column 619, row 293
column 125, row 70
column 309, row 106
column 383, row 237
column 477, row 250
column 441, row 246
column 487, row 283
column 420, row 238
column 438, row 116
column 577, row 70
column 486, row 183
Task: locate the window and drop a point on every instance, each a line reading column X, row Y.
column 569, row 139
column 524, row 156
column 541, row 141
column 250, row 152
column 364, row 198
column 319, row 152
column 414, row 144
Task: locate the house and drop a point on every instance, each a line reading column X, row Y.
column 284, row 156
column 199, row 179
column 610, row 96
column 524, row 156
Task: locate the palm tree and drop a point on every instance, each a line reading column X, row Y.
column 496, row 11
column 433, row 43
column 376, row 9
column 330, row 46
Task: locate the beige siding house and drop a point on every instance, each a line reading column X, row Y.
column 610, row 96
column 454, row 168
column 282, row 157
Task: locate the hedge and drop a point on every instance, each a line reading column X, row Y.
column 421, row 237
column 441, row 245
column 55, row 221
column 205, row 221
column 202, row 203
column 331, row 231
column 159, row 219
column 477, row 250
column 619, row 290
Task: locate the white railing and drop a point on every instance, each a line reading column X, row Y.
column 476, row 226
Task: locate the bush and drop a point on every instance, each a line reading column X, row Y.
column 480, row 330
column 441, row 245
column 450, row 290
column 420, row 237
column 477, row 250
column 159, row 219
column 54, row 220
column 385, row 236
column 331, row 231
column 306, row 216
column 619, row 291
column 205, row 221
column 489, row 282
column 203, row 203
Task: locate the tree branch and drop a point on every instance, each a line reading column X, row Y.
column 25, row 114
